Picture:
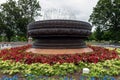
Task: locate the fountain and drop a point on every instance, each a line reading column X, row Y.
column 59, row 36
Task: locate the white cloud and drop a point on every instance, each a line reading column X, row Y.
column 2, row 1
column 81, row 8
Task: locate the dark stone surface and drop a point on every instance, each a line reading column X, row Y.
column 59, row 33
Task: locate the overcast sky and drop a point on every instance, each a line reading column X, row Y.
column 81, row 8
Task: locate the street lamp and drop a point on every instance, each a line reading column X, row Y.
column 29, row 39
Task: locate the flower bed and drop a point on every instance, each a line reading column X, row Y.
column 109, row 67
column 116, row 49
column 18, row 54
column 101, row 62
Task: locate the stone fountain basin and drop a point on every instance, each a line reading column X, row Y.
column 59, row 28
column 59, row 36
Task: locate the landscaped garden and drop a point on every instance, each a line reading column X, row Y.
column 101, row 62
column 58, row 50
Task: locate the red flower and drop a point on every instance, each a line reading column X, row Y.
column 19, row 54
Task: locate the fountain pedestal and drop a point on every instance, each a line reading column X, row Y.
column 59, row 51
column 59, row 36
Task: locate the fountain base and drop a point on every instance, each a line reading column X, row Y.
column 59, row 36
column 59, row 51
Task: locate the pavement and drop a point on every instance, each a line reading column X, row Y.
column 16, row 44
column 112, row 46
column 11, row 44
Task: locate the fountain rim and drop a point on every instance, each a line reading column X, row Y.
column 61, row 21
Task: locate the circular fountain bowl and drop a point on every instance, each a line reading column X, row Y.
column 59, row 28
column 59, row 35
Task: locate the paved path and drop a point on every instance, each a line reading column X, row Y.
column 113, row 46
column 12, row 44
column 16, row 44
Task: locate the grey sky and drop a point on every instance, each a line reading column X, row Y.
column 81, row 8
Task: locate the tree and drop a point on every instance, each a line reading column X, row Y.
column 98, row 34
column 7, row 18
column 16, row 15
column 107, row 35
column 29, row 10
column 106, row 15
